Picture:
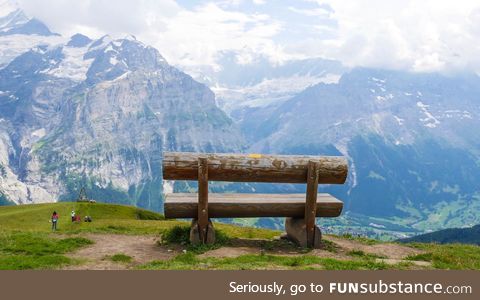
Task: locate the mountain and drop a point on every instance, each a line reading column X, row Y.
column 99, row 113
column 411, row 140
column 243, row 83
column 469, row 235
column 19, row 33
column 17, row 22
column 76, row 111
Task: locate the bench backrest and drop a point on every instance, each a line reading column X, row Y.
column 254, row 167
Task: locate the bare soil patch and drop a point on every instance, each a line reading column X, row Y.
column 389, row 250
column 142, row 249
column 145, row 248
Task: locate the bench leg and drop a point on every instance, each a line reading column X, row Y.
column 195, row 238
column 296, row 229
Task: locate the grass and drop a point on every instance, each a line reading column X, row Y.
column 19, row 250
column 329, row 246
column 143, row 214
column 361, row 254
column 180, row 235
column 120, row 257
column 361, row 239
column 27, row 242
column 107, row 218
column 261, row 262
column 451, row 256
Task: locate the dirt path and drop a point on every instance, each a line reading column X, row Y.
column 144, row 249
column 141, row 248
column 391, row 253
column 389, row 250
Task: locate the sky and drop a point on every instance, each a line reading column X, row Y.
column 412, row 35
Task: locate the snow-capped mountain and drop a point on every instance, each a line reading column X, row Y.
column 412, row 141
column 99, row 113
column 19, row 33
column 242, row 86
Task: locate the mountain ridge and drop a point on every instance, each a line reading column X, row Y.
column 470, row 235
column 100, row 113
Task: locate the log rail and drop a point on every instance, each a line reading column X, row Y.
column 254, row 167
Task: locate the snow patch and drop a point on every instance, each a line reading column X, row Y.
column 457, row 114
column 73, row 66
column 384, row 98
column 376, row 225
column 378, row 80
column 113, row 60
column 14, row 45
column 429, row 120
column 267, row 92
column 399, row 120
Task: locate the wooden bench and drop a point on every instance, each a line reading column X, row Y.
column 299, row 209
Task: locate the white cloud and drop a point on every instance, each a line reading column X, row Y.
column 318, row 12
column 101, row 16
column 259, row 2
column 196, row 37
column 183, row 36
column 428, row 35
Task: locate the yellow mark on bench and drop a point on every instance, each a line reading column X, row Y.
column 253, row 155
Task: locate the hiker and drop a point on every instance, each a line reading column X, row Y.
column 54, row 221
column 73, row 216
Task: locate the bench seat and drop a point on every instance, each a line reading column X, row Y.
column 185, row 205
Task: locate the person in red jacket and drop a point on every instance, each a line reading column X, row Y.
column 54, row 221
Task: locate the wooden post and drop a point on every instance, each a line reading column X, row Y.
column 311, row 202
column 202, row 198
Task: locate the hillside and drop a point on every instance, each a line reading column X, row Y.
column 469, row 235
column 410, row 140
column 125, row 237
column 76, row 112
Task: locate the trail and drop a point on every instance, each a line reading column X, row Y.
column 144, row 249
column 141, row 248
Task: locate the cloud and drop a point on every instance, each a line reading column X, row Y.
column 183, row 36
column 319, row 12
column 259, row 2
column 405, row 34
column 196, row 37
column 423, row 36
column 101, row 16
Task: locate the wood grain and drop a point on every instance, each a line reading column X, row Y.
column 202, row 213
column 254, row 167
column 311, row 201
column 185, row 205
